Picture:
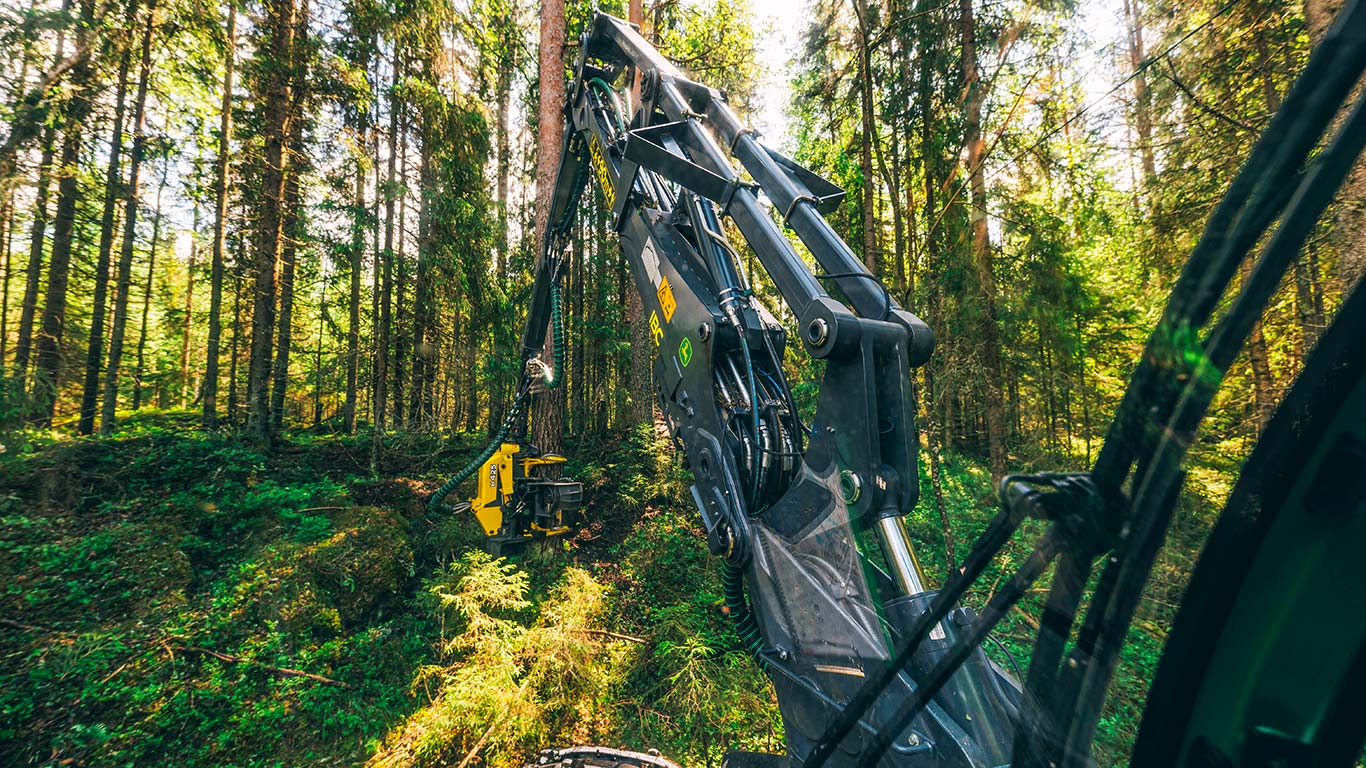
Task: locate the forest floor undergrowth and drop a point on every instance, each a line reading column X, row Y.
column 172, row 595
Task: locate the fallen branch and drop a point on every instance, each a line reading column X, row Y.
column 250, row 662
column 32, row 628
column 613, row 635
column 497, row 723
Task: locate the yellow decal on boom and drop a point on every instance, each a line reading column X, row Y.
column 656, row 332
column 666, row 299
column 604, row 175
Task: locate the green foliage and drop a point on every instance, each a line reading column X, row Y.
column 125, row 558
column 162, row 545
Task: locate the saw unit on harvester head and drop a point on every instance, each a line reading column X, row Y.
column 871, row 665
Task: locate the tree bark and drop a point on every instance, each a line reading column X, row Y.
column 1143, row 109
column 989, row 342
column 124, row 280
column 220, row 216
column 1308, row 303
column 401, row 334
column 318, row 359
column 33, row 275
column 503, row 148
column 548, row 409
column 640, row 376
column 6, row 229
column 113, row 178
column 386, row 256
column 139, row 366
column 290, row 229
column 187, row 326
column 280, row 21
column 353, row 328
column 869, row 130
column 234, row 354
column 284, row 329
column 49, row 346
column 420, row 407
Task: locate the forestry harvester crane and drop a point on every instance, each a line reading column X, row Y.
column 870, row 662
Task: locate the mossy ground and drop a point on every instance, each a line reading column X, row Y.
column 172, row 596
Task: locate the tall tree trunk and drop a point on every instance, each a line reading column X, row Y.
column 1143, row 109
column 423, row 311
column 1308, row 303
column 375, row 243
column 504, row 154
column 124, row 281
column 113, row 178
column 235, row 352
column 402, row 322
column 49, row 346
column 281, row 22
column 639, row 374
column 220, row 225
column 6, row 230
column 575, row 379
column 869, row 130
column 1259, row 357
column 937, row 427
column 291, row 229
column 470, row 369
column 33, row 275
column 187, row 326
column 353, row 328
column 23, row 346
column 989, row 342
column 386, row 265
column 548, row 409
column 318, row 359
column 139, row 365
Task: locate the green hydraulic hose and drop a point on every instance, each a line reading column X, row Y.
column 733, row 587
column 557, row 331
column 464, row 474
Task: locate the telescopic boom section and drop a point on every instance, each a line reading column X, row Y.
column 821, row 577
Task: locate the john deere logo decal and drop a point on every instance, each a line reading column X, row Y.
column 685, row 351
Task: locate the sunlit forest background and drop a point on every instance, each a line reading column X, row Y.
column 263, row 270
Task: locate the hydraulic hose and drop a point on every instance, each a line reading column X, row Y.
column 469, row 469
column 733, row 587
column 557, row 330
